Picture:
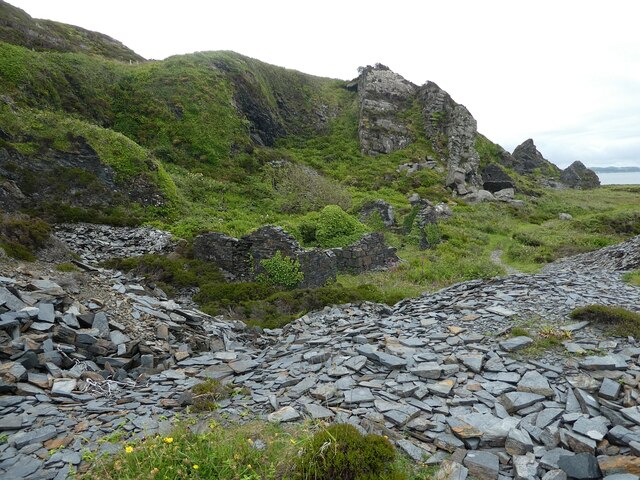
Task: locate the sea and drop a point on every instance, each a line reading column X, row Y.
column 619, row 178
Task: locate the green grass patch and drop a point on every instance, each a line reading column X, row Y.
column 207, row 394
column 632, row 278
column 259, row 451
column 618, row 320
column 67, row 267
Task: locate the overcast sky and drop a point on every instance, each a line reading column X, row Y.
column 565, row 73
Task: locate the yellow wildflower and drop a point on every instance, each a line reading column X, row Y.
column 167, row 439
column 128, row 449
column 195, row 467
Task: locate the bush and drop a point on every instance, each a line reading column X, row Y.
column 623, row 322
column 340, row 452
column 302, row 189
column 281, row 271
column 207, row 394
column 336, row 228
column 21, row 235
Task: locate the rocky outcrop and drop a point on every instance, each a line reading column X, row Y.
column 577, row 175
column 240, row 258
column 452, row 131
column 383, row 96
column 495, row 178
column 76, row 177
column 528, row 159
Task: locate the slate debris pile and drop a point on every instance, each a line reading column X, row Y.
column 96, row 243
column 620, row 257
column 440, row 375
column 453, row 391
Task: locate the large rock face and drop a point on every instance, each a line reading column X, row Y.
column 528, row 159
column 383, row 96
column 577, row 175
column 452, row 131
column 495, row 178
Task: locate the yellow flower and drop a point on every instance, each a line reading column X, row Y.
column 249, row 441
column 249, row 466
column 128, row 449
column 167, row 439
column 195, row 467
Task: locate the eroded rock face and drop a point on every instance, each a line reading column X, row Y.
column 76, row 178
column 383, row 95
column 577, row 175
column 452, row 130
column 528, row 158
column 495, row 179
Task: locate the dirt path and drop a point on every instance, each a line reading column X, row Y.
column 496, row 257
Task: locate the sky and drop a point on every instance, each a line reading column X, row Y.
column 564, row 72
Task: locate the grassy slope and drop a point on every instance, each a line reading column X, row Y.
column 182, row 111
column 18, row 28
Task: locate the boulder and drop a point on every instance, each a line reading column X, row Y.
column 578, row 176
column 528, row 159
column 494, row 178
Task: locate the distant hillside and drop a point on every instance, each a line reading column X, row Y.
column 615, row 169
column 18, row 28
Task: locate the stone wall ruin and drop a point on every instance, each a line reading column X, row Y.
column 239, row 259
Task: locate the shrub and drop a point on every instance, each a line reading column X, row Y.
column 340, row 452
column 623, row 322
column 21, row 235
column 208, row 393
column 281, row 271
column 303, row 189
column 336, row 228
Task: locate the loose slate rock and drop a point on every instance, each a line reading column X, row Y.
column 534, row 382
column 516, row 343
column 482, row 465
column 580, row 467
column 514, row 401
column 285, row 414
column 610, row 389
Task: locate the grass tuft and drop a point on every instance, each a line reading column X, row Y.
column 620, row 321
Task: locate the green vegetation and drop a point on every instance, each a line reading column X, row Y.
column 633, row 278
column 331, row 227
column 297, row 452
column 207, row 394
column 341, row 452
column 259, row 304
column 281, row 271
column 21, row 236
column 619, row 321
column 545, row 337
column 67, row 267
